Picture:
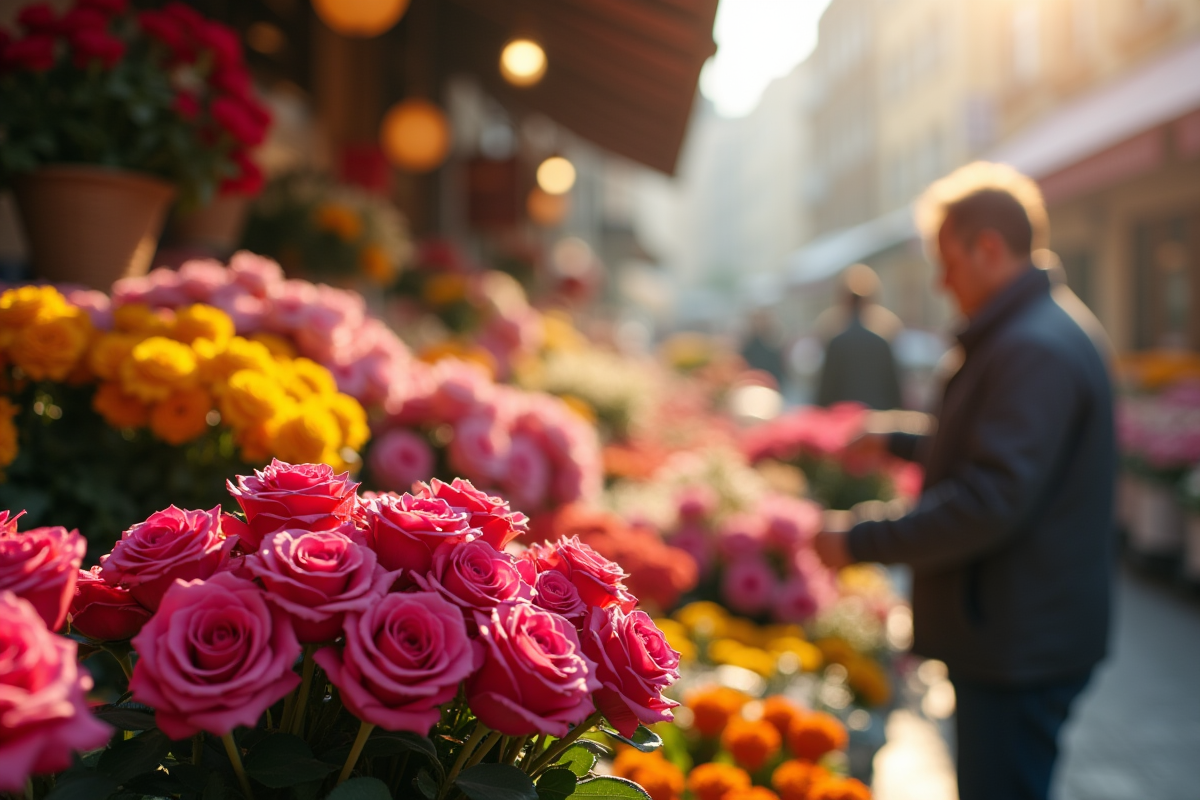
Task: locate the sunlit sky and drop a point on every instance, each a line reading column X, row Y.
column 758, row 41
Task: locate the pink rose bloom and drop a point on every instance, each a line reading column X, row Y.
column 790, row 522
column 201, row 278
column 634, row 663
column 480, row 445
column 749, row 585
column 105, row 612
column 96, row 303
column 553, row 591
column 41, row 565
column 171, row 544
column 740, row 536
column 42, row 705
column 600, row 582
column 400, row 458
column 460, row 387
column 534, row 677
column 696, row 503
column 404, row 656
column 493, row 516
column 247, row 311
column 290, row 304
column 695, row 541
column 282, row 496
column 404, row 530
column 526, row 473
column 317, row 577
column 475, row 575
column 256, row 273
column 214, row 656
column 795, row 601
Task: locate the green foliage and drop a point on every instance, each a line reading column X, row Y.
column 579, row 760
column 609, row 788
column 556, row 784
column 361, row 789
column 496, row 782
column 643, row 739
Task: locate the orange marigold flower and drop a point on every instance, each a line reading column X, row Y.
column 714, row 781
column 752, row 793
column 839, row 789
column 182, row 417
column 713, row 707
column 661, row 779
column 119, row 410
column 780, row 712
column 794, row 779
column 751, row 743
column 815, row 733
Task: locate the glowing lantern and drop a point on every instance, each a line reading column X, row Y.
column 360, row 18
column 522, row 62
column 547, row 210
column 556, row 175
column 415, row 135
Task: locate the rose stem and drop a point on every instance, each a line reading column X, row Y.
column 126, row 664
column 514, row 750
column 197, row 749
column 535, row 750
column 235, row 758
column 29, row 788
column 484, row 748
column 289, row 706
column 476, row 735
column 559, row 747
column 364, row 730
column 305, row 688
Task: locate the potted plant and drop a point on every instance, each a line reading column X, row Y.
column 107, row 116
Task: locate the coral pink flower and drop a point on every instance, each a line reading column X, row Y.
column 280, row 496
column 404, row 530
column 105, row 612
column 475, row 575
column 41, row 565
column 635, row 665
column 493, row 516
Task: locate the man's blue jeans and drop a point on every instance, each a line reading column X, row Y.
column 1008, row 736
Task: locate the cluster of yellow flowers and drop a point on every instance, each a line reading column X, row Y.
column 765, row 649
column 181, row 372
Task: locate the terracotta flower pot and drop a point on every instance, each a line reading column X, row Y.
column 91, row 225
column 217, row 227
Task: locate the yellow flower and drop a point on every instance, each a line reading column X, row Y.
column 340, row 220
column 51, row 345
column 677, row 637
column 141, row 318
column 376, row 264
column 729, row 651
column 108, row 351
column 443, row 289
column 837, row 651
column 808, row 653
column 581, row 407
column 182, row 416
column 279, row 346
column 217, row 364
column 156, row 367
column 703, row 618
column 560, row 333
column 869, row 681
column 308, row 435
column 351, row 418
column 251, row 398
column 202, row 322
column 318, row 379
column 9, row 446
column 118, row 409
column 21, row 306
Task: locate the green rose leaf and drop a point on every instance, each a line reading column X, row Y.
column 610, row 788
column 495, row 782
column 131, row 757
column 361, row 789
column 127, row 716
column 556, row 784
column 83, row 786
column 578, row 759
column 426, row 785
column 643, row 738
column 283, row 760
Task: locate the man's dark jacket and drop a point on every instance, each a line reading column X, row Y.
column 1011, row 541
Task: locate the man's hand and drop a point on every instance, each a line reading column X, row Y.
column 830, row 543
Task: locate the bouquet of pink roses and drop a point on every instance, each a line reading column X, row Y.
column 324, row 643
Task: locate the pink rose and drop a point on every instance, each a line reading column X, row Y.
column 308, row 497
column 749, row 585
column 404, row 530
column 534, row 677
column 461, row 387
column 479, row 446
column 554, row 592
column 169, row 545
column 105, row 612
column 600, row 582
column 491, row 515
column 317, row 577
column 694, row 540
column 475, row 575
column 214, row 656
column 404, row 656
column 400, row 458
column 41, row 565
column 791, row 523
column 696, row 503
column 795, row 601
column 527, row 473
column 43, row 711
column 634, row 663
column 256, row 273
column 741, row 536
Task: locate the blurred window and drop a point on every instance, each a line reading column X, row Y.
column 1166, row 265
column 1026, row 43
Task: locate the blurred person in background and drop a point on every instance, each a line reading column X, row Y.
column 762, row 350
column 1011, row 541
column 859, row 364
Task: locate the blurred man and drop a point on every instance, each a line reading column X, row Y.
column 1011, row 541
column 762, row 350
column 859, row 364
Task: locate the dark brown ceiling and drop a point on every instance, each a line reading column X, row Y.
column 621, row 73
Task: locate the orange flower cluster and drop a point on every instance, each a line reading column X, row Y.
column 815, row 733
column 713, row 707
column 661, row 779
column 716, row 781
column 751, row 743
column 795, row 779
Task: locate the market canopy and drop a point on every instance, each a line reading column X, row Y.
column 622, row 73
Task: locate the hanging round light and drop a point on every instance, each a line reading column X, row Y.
column 556, row 175
column 522, row 62
column 360, row 18
column 415, row 135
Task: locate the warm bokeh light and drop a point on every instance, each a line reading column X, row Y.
column 415, row 135
column 523, row 62
column 360, row 18
column 545, row 209
column 556, row 175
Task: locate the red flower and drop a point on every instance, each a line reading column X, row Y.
column 186, row 105
column 231, row 80
column 185, row 15
column 240, row 120
column 249, row 180
column 492, row 515
column 82, row 18
column 109, row 7
column 222, row 41
column 93, row 44
column 105, row 612
column 34, row 53
column 38, row 18
column 167, row 30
